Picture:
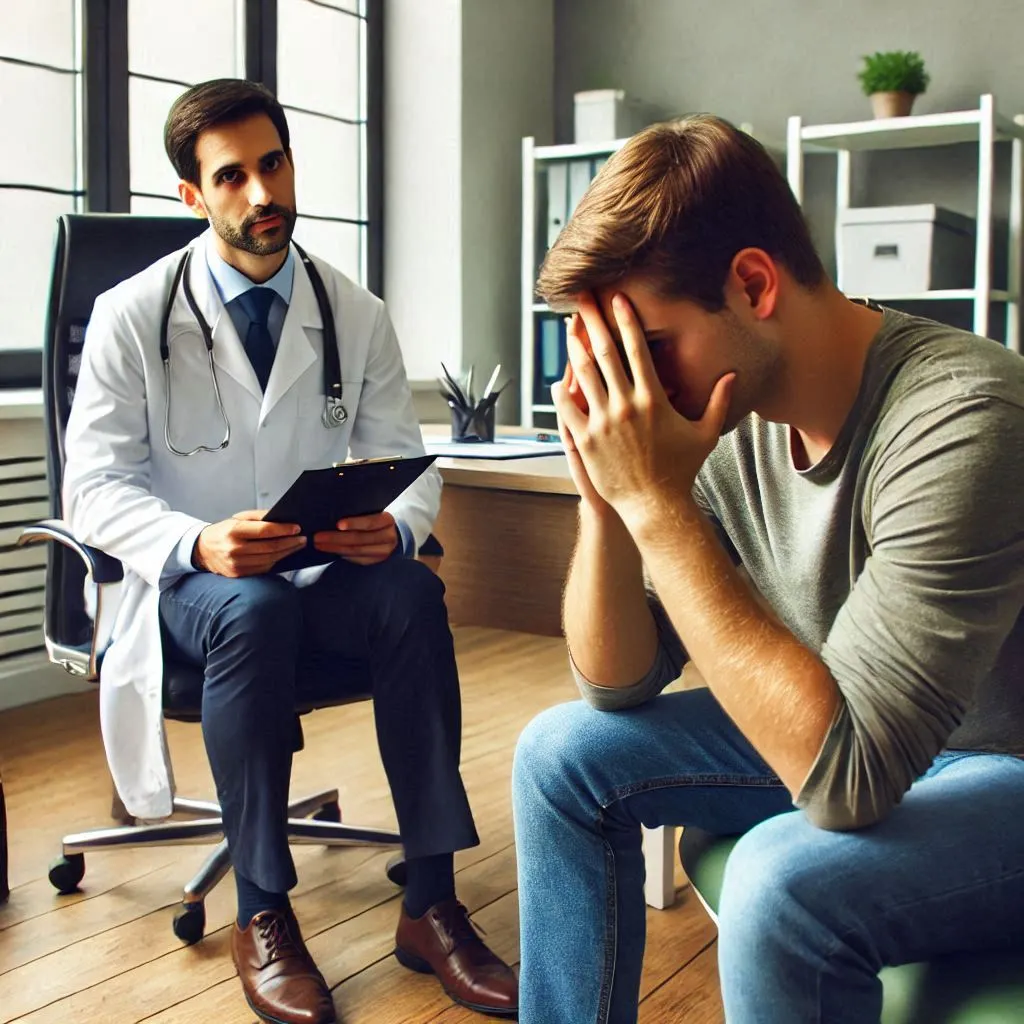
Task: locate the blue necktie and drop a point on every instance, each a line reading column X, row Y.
column 259, row 346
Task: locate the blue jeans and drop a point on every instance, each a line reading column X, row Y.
column 807, row 918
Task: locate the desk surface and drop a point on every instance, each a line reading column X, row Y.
column 545, row 475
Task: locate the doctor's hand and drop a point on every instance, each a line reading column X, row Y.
column 365, row 540
column 244, row 545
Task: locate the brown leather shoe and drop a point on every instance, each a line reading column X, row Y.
column 444, row 942
column 281, row 983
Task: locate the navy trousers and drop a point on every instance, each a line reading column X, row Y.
column 264, row 643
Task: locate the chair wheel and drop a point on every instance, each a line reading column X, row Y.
column 395, row 869
column 66, row 872
column 329, row 812
column 190, row 922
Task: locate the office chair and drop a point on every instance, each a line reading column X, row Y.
column 93, row 253
column 977, row 987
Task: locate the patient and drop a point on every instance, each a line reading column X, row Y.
column 866, row 469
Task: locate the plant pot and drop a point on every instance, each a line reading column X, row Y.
column 892, row 104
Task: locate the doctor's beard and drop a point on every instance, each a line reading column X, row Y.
column 242, row 237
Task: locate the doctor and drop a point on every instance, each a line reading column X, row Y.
column 167, row 469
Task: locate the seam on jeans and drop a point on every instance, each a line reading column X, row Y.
column 709, row 779
column 839, row 943
column 610, row 938
column 840, row 940
column 836, row 944
column 956, row 890
column 819, row 1000
column 610, row 952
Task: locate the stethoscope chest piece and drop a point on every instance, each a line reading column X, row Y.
column 335, row 413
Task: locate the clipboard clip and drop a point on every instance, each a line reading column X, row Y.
column 366, row 462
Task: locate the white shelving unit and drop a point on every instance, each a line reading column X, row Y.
column 983, row 126
column 536, row 161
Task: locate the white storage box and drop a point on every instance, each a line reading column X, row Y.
column 603, row 115
column 900, row 250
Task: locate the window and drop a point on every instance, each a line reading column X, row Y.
column 86, row 85
column 166, row 55
column 41, row 85
column 321, row 83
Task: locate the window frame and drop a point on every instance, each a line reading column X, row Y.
column 105, row 78
column 22, row 367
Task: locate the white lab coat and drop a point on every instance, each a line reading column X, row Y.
column 126, row 494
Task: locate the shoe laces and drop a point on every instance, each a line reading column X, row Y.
column 277, row 936
column 463, row 928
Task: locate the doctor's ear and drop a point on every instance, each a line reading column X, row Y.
column 192, row 198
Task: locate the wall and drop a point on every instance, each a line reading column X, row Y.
column 507, row 92
column 422, row 172
column 464, row 81
column 760, row 62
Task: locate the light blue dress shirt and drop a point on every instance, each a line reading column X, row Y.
column 230, row 284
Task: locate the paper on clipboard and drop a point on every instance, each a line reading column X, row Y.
column 501, row 448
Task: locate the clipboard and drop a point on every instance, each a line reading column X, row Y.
column 320, row 497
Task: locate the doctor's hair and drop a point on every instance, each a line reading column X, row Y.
column 675, row 205
column 209, row 104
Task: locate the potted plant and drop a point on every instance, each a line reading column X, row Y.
column 892, row 80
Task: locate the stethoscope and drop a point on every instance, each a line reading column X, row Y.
column 334, row 414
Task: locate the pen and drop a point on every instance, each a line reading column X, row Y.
column 489, row 390
column 455, row 389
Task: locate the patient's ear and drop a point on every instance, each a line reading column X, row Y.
column 754, row 275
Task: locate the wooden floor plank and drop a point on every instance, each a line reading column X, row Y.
column 675, row 937
column 690, row 995
column 108, row 956
column 362, row 945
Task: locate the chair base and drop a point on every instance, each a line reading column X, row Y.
column 312, row 821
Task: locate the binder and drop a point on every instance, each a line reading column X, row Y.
column 552, row 357
column 581, row 173
column 320, row 497
column 558, row 198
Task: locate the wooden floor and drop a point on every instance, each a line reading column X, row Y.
column 108, row 954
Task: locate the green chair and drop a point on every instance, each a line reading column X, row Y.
column 966, row 988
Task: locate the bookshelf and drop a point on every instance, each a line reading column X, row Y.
column 983, row 126
column 554, row 179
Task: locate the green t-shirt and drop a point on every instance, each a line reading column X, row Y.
column 899, row 557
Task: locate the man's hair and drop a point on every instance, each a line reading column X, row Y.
column 209, row 104
column 675, row 205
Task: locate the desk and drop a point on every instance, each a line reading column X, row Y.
column 508, row 528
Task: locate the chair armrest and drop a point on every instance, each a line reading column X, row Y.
column 106, row 574
column 102, row 568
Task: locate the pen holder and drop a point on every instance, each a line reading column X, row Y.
column 473, row 424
